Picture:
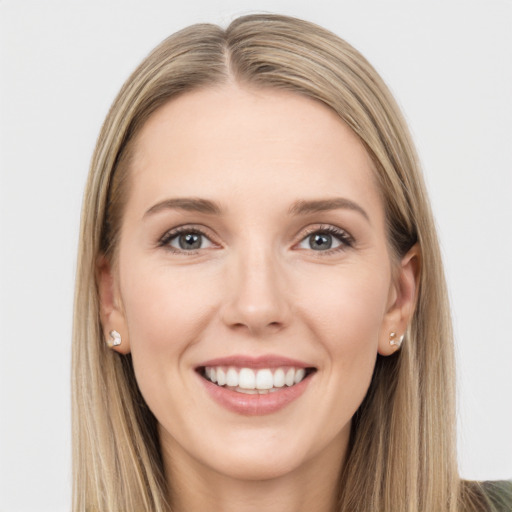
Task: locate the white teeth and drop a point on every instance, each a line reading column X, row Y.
column 264, row 379
column 247, row 379
column 299, row 375
column 232, row 377
column 279, row 378
column 221, row 377
column 254, row 381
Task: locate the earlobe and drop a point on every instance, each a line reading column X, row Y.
column 400, row 312
column 112, row 315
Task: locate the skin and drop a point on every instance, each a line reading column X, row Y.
column 255, row 287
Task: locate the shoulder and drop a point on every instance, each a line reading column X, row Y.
column 499, row 494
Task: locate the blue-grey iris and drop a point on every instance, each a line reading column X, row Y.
column 190, row 241
column 320, row 242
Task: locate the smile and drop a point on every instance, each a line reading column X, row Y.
column 255, row 386
column 255, row 381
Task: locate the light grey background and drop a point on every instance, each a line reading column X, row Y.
column 448, row 62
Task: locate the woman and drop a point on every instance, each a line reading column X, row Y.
column 261, row 320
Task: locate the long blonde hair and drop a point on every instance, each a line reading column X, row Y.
column 402, row 449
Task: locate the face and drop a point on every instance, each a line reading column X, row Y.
column 253, row 254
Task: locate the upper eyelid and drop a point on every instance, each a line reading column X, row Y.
column 172, row 233
column 319, row 228
column 185, row 228
column 323, row 227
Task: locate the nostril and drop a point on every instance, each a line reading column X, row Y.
column 257, row 328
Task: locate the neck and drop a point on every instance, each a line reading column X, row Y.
column 312, row 486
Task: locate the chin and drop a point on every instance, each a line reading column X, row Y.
column 254, row 467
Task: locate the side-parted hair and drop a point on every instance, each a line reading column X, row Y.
column 402, row 454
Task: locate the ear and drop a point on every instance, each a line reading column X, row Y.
column 402, row 301
column 111, row 309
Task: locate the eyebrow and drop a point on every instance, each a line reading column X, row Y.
column 301, row 207
column 321, row 205
column 189, row 204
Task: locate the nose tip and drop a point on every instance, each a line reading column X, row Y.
column 256, row 300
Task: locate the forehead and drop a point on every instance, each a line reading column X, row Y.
column 232, row 142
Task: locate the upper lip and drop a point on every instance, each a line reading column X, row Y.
column 264, row 361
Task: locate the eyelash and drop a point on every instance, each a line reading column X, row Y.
column 346, row 240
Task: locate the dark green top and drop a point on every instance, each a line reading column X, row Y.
column 499, row 495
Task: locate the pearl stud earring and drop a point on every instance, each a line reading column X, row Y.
column 115, row 339
column 394, row 341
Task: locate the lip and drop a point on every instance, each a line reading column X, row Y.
column 265, row 361
column 254, row 405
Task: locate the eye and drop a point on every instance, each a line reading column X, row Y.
column 326, row 239
column 186, row 240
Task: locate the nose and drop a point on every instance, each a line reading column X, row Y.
column 256, row 300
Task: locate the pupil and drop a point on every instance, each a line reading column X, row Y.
column 319, row 242
column 190, row 241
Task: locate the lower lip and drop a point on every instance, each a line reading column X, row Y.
column 255, row 405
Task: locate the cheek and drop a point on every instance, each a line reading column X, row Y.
column 162, row 302
column 349, row 302
column 345, row 310
column 166, row 311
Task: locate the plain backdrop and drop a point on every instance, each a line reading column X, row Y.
column 449, row 63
